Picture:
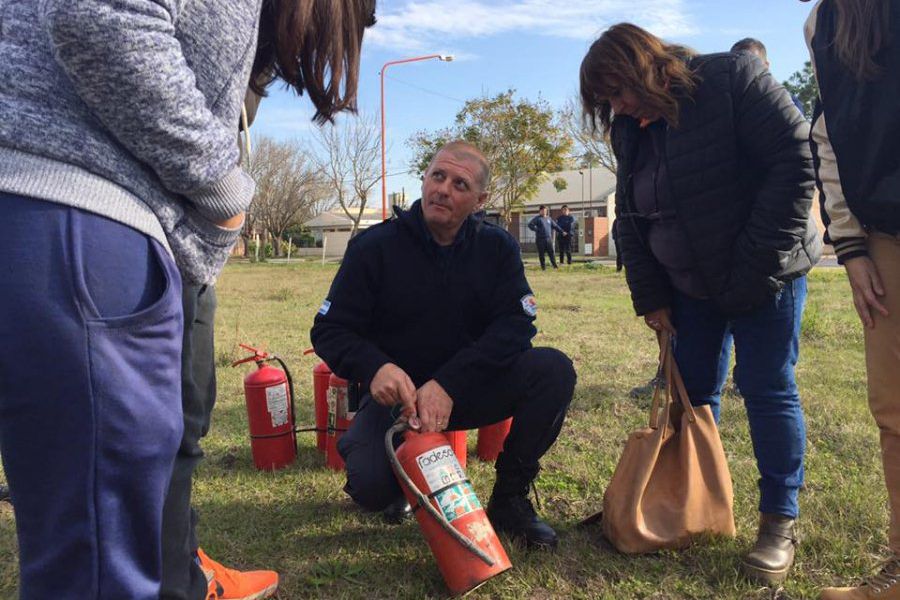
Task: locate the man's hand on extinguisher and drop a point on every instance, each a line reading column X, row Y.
column 435, row 406
column 390, row 386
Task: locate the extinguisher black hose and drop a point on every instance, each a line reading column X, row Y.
column 423, row 500
column 290, row 381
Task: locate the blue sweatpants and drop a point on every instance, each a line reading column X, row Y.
column 90, row 402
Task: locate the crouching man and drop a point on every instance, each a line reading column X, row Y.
column 431, row 313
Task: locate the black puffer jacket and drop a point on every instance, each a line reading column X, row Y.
column 742, row 184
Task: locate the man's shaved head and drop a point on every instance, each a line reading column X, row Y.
column 460, row 149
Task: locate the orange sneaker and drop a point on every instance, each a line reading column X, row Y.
column 231, row 584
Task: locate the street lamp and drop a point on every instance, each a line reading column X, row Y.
column 443, row 57
column 582, row 193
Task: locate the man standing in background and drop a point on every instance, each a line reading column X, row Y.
column 543, row 227
column 566, row 224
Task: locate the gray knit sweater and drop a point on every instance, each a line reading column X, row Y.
column 128, row 109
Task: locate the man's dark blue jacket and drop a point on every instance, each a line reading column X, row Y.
column 565, row 223
column 456, row 314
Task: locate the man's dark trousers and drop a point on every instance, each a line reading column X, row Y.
column 544, row 246
column 565, row 248
column 182, row 578
column 535, row 391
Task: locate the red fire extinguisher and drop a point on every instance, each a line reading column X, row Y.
column 269, row 395
column 491, row 438
column 339, row 418
column 321, row 375
column 458, row 441
column 451, row 518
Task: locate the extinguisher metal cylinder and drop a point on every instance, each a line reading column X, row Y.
column 454, row 524
column 321, row 375
column 270, row 418
column 458, row 440
column 338, row 421
column 491, row 439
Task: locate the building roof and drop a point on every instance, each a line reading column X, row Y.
column 336, row 219
column 598, row 183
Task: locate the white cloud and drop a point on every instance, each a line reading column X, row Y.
column 421, row 24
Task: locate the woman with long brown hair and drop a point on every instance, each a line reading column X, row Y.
column 312, row 47
column 855, row 49
column 714, row 187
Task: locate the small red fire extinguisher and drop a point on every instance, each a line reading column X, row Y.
column 269, row 395
column 491, row 438
column 458, row 441
column 339, row 418
column 451, row 518
column 321, row 376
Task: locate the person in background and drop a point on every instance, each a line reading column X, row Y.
column 758, row 49
column 288, row 37
column 543, row 228
column 566, row 223
column 716, row 240
column 855, row 49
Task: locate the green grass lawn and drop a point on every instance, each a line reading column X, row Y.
column 299, row 522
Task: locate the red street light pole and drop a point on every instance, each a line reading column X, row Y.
column 443, row 57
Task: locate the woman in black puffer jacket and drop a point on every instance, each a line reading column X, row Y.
column 715, row 183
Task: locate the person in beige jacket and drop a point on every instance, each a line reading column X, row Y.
column 855, row 49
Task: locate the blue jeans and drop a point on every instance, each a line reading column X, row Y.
column 90, row 399
column 766, row 344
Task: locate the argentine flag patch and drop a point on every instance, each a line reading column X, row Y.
column 323, row 310
column 529, row 305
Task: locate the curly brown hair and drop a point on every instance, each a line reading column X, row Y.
column 626, row 57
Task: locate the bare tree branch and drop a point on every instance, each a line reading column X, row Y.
column 288, row 187
column 347, row 155
column 589, row 148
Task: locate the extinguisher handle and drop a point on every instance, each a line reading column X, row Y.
column 398, row 427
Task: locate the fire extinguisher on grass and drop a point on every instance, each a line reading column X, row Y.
column 451, row 518
column 269, row 394
column 491, row 439
column 340, row 412
column 321, row 378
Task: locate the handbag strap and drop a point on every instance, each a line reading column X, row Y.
column 674, row 377
column 661, row 384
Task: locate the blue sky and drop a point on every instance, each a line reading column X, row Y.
column 534, row 46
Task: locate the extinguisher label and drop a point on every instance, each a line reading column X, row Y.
column 457, row 501
column 277, row 404
column 440, row 468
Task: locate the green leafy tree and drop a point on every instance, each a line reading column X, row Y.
column 523, row 141
column 803, row 85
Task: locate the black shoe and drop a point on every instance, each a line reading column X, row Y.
column 397, row 511
column 515, row 516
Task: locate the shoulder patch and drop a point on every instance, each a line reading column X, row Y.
column 529, row 305
column 323, row 310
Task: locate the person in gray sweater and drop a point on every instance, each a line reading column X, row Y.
column 119, row 182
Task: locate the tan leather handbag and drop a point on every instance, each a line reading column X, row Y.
column 672, row 482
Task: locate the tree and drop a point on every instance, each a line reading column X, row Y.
column 288, row 188
column 347, row 156
column 803, row 85
column 523, row 142
column 589, row 147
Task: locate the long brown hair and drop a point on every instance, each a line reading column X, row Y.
column 314, row 47
column 862, row 31
column 628, row 57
